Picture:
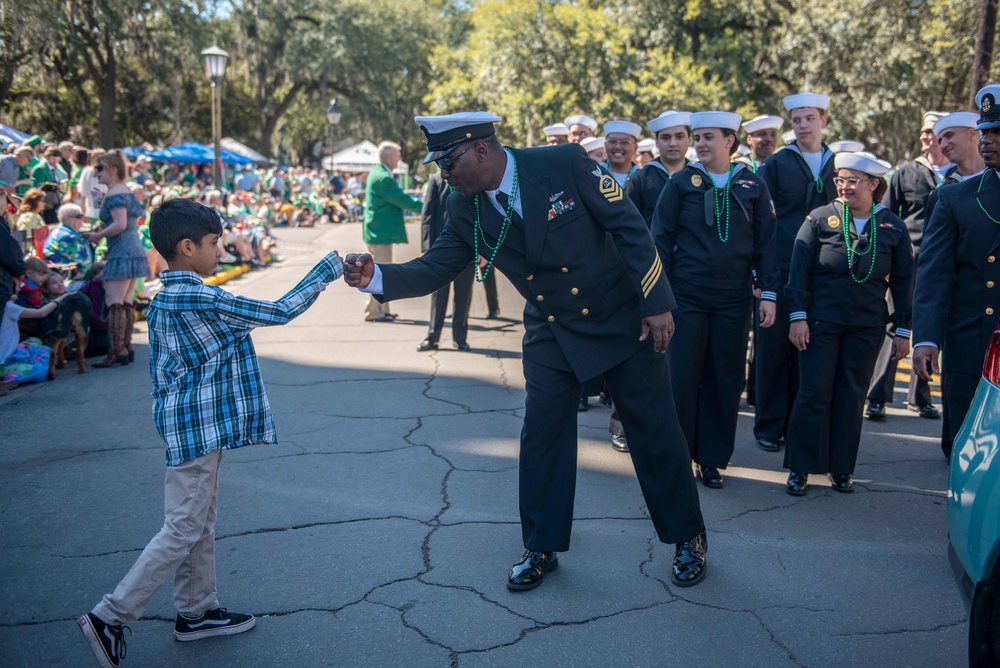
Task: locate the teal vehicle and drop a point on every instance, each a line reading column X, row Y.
column 974, row 513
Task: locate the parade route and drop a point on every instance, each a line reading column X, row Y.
column 380, row 530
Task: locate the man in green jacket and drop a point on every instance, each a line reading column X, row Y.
column 385, row 202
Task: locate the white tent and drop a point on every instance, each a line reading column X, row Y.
column 359, row 158
column 231, row 144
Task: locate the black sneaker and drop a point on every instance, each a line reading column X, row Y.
column 107, row 642
column 216, row 622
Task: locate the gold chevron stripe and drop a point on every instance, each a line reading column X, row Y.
column 649, row 288
column 652, row 269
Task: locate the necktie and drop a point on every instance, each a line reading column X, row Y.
column 503, row 200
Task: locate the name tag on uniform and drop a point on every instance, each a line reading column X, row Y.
column 743, row 183
column 559, row 208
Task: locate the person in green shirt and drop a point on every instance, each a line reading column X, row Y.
column 26, row 160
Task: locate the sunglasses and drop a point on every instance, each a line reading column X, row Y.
column 447, row 163
column 98, row 168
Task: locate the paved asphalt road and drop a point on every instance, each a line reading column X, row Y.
column 380, row 530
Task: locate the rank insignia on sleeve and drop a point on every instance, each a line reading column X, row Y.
column 610, row 189
column 833, row 221
column 652, row 276
column 559, row 208
column 696, row 180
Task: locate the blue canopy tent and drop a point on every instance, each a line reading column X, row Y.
column 197, row 154
column 133, row 152
column 13, row 134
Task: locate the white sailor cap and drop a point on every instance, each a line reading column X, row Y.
column 557, row 130
column 932, row 117
column 669, row 119
column 691, row 154
column 580, row 119
column 959, row 119
column 592, row 143
column 788, row 137
column 743, row 149
column 624, row 127
column 989, row 110
column 847, row 146
column 806, row 99
column 726, row 120
column 763, row 123
column 443, row 133
column 863, row 162
column 647, row 146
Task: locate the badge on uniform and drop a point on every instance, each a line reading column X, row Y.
column 746, row 184
column 559, row 208
column 610, row 189
column 833, row 221
column 696, row 180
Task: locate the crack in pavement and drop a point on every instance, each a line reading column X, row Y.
column 933, row 629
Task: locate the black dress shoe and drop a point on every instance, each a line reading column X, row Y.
column 619, row 443
column 768, row 445
column 493, row 315
column 462, row 346
column 876, row 410
column 584, row 404
column 427, row 345
column 710, row 477
column 927, row 411
column 842, row 482
column 605, row 399
column 529, row 572
column 690, row 561
column 797, row 483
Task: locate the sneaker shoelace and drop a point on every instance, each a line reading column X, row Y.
column 119, row 635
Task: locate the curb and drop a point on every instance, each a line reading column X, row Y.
column 224, row 276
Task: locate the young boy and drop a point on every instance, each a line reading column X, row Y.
column 207, row 397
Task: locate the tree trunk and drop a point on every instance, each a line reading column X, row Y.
column 984, row 48
column 106, row 97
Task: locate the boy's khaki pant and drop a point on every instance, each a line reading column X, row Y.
column 184, row 548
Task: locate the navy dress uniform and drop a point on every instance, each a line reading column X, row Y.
column 957, row 291
column 645, row 185
column 711, row 258
column 795, row 191
column 579, row 253
column 838, row 287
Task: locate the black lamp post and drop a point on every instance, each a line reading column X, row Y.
column 333, row 117
column 215, row 68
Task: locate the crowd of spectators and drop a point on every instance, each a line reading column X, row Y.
column 62, row 224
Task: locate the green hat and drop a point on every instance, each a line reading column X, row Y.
column 33, row 140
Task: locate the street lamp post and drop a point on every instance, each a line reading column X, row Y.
column 215, row 68
column 333, row 117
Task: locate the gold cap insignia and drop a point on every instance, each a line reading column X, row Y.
column 696, row 180
column 987, row 103
column 833, row 221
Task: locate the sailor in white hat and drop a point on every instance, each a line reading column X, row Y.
column 646, row 151
column 799, row 178
column 580, row 127
column 714, row 228
column 621, row 142
column 959, row 258
column 762, row 138
column 910, row 188
column 788, row 137
column 556, row 134
column 594, row 146
column 837, row 297
column 959, row 140
column 846, row 146
column 544, row 217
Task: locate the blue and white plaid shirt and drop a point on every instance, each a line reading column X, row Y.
column 207, row 390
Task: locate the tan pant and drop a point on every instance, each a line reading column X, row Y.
column 382, row 254
column 184, row 548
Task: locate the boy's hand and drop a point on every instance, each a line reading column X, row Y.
column 359, row 269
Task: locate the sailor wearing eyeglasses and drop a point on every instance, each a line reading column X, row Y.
column 597, row 302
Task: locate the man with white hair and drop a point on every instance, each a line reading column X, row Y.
column 383, row 226
column 65, row 244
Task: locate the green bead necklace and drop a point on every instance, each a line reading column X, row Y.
column 845, row 217
column 981, row 179
column 478, row 230
column 725, row 206
column 819, row 179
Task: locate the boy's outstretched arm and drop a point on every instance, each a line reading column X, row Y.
column 247, row 312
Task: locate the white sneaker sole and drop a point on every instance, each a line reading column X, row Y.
column 230, row 630
column 90, row 635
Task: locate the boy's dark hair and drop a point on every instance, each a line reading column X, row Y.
column 179, row 219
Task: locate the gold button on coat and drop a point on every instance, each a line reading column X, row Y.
column 575, row 291
column 585, row 311
column 565, row 270
column 531, row 278
column 989, row 284
column 540, row 298
column 552, row 318
column 989, row 311
column 991, row 259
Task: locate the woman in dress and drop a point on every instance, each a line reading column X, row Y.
column 714, row 228
column 847, row 253
column 125, row 260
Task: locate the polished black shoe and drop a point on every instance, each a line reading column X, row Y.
column 842, row 482
column 928, row 411
column 529, row 572
column 767, row 445
column 462, row 346
column 690, row 561
column 797, row 483
column 619, row 443
column 427, row 345
column 710, row 477
column 875, row 411
column 493, row 315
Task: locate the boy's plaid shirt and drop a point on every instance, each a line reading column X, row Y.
column 207, row 390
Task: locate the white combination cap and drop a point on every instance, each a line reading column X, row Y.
column 763, row 123
column 557, row 130
column 669, row 119
column 443, row 133
column 647, row 146
column 863, row 162
column 847, row 146
column 624, row 127
column 959, row 119
column 592, row 143
column 726, row 120
column 580, row 119
column 807, row 99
